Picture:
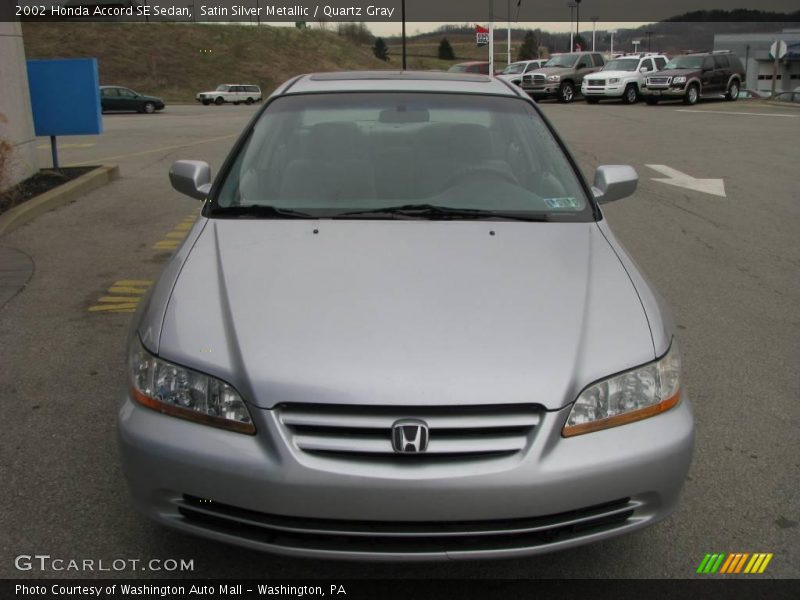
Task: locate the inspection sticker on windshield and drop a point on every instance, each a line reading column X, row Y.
column 568, row 203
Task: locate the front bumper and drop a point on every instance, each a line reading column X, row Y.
column 262, row 492
column 547, row 91
column 663, row 91
column 610, row 91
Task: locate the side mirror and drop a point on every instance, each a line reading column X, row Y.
column 613, row 182
column 643, row 70
column 191, row 177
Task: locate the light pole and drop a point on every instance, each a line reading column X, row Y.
column 612, row 32
column 649, row 33
column 594, row 31
column 403, row 17
column 572, row 6
column 578, row 20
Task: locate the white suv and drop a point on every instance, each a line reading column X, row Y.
column 231, row 92
column 622, row 77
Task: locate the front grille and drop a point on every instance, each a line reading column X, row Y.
column 595, row 82
column 533, row 79
column 403, row 536
column 652, row 81
column 455, row 432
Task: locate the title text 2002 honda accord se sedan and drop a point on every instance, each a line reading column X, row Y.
column 402, row 329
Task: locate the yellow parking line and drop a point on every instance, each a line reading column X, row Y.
column 120, row 289
column 119, row 299
column 113, row 307
column 134, row 282
column 179, row 235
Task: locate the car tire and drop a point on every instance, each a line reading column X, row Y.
column 219, row 101
column 631, row 94
column 733, row 91
column 592, row 100
column 566, row 93
column 249, row 101
column 692, row 95
column 206, row 102
column 148, row 108
column 651, row 101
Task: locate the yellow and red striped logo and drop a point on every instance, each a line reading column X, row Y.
column 735, row 563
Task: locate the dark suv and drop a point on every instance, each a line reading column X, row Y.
column 694, row 76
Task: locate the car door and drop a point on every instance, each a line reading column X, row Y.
column 722, row 72
column 647, row 65
column 128, row 100
column 707, row 77
column 109, row 98
column 584, row 67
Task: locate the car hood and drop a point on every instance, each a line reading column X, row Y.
column 553, row 70
column 674, row 72
column 404, row 312
column 608, row 74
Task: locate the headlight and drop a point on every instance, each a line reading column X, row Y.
column 631, row 396
column 554, row 78
column 614, row 80
column 679, row 80
column 185, row 393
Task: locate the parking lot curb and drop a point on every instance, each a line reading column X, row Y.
column 63, row 194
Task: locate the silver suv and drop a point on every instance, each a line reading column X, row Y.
column 562, row 75
column 402, row 329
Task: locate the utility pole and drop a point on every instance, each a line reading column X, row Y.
column 508, row 8
column 403, row 17
column 572, row 6
column 649, row 33
column 577, row 21
column 612, row 32
column 491, row 38
column 594, row 31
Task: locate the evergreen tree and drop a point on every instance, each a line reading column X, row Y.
column 380, row 49
column 530, row 47
column 446, row 50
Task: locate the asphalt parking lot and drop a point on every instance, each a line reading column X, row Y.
column 727, row 264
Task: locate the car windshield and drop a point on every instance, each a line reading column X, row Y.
column 514, row 68
column 685, row 62
column 222, row 88
column 329, row 154
column 622, row 64
column 565, row 60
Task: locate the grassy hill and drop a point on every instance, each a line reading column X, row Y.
column 175, row 61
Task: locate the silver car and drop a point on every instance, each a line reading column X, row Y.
column 402, row 329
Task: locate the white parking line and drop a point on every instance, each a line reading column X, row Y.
column 728, row 112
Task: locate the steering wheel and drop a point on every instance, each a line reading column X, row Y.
column 472, row 173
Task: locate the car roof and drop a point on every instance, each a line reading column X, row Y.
column 397, row 81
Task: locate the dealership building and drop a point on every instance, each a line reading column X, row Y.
column 753, row 49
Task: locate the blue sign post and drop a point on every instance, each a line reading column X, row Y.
column 65, row 98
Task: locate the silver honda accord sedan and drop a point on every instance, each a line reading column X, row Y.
column 402, row 329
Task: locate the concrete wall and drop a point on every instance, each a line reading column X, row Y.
column 15, row 103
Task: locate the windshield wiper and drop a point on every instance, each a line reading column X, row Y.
column 263, row 211
column 433, row 211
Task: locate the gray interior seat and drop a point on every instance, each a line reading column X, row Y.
column 336, row 167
